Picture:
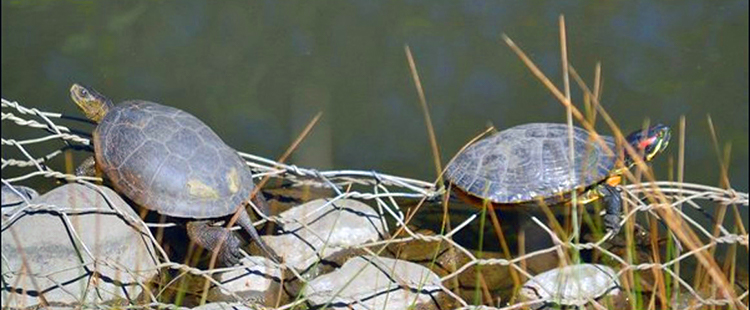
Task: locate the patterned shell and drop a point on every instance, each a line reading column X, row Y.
column 530, row 162
column 167, row 160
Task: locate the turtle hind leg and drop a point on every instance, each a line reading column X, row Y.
column 245, row 222
column 209, row 237
column 612, row 206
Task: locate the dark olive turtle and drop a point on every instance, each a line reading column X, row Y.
column 167, row 160
column 531, row 163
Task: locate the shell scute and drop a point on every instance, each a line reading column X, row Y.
column 183, row 143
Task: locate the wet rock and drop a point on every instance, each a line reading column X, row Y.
column 16, row 196
column 574, row 285
column 686, row 300
column 47, row 262
column 442, row 259
column 370, row 282
column 692, row 300
column 255, row 281
column 319, row 228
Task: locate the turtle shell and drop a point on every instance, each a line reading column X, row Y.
column 167, row 160
column 531, row 162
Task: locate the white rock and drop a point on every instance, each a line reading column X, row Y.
column 370, row 282
column 16, row 196
column 43, row 254
column 320, row 227
column 572, row 285
column 254, row 280
column 223, row 306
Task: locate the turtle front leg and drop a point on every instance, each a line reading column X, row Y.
column 208, row 237
column 87, row 168
column 612, row 206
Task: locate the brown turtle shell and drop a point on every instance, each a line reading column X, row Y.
column 167, row 160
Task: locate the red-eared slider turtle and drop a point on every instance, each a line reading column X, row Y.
column 530, row 163
column 167, row 160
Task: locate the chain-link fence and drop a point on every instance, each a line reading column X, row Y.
column 709, row 250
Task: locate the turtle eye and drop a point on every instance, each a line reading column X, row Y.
column 84, row 92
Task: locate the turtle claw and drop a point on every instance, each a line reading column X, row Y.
column 209, row 237
column 230, row 254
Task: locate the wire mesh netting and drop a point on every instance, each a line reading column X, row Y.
column 102, row 265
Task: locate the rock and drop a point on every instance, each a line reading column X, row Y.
column 255, row 280
column 322, row 228
column 16, row 196
column 370, row 282
column 43, row 254
column 223, row 306
column 442, row 259
column 572, row 285
column 686, row 300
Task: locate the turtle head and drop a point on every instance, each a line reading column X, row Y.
column 93, row 104
column 649, row 142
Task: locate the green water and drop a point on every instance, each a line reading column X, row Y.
column 258, row 72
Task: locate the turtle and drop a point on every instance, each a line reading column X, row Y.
column 530, row 164
column 571, row 286
column 167, row 160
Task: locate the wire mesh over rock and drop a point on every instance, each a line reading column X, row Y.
column 371, row 282
column 16, row 196
column 573, row 285
column 673, row 206
column 256, row 281
column 314, row 230
column 224, row 306
column 76, row 245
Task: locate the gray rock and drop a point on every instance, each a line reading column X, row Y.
column 223, row 306
column 16, row 196
column 255, row 280
column 370, row 282
column 42, row 256
column 573, row 285
column 317, row 229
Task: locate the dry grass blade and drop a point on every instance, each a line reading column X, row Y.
column 569, row 119
column 680, row 178
column 722, row 164
column 425, row 112
column 674, row 222
column 503, row 245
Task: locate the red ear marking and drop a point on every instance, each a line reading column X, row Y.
column 644, row 143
